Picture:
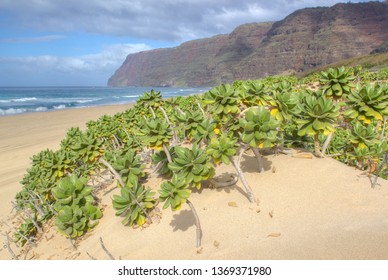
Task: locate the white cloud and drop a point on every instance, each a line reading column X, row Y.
column 95, row 69
column 39, row 39
column 170, row 20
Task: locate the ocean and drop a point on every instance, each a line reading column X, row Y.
column 20, row 100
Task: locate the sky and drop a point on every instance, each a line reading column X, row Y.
column 83, row 42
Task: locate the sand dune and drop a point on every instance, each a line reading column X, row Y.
column 308, row 209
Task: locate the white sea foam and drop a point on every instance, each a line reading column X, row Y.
column 59, row 107
column 41, row 109
column 131, row 96
column 12, row 111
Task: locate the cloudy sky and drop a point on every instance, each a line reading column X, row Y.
column 82, row 43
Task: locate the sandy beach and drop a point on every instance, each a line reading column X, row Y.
column 309, row 208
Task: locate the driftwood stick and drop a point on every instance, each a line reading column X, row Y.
column 106, row 250
column 121, row 182
column 218, row 184
column 9, row 247
column 90, row 256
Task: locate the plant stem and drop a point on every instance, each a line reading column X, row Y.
column 153, row 112
column 28, row 216
column 326, row 143
column 118, row 177
column 259, row 159
column 36, row 204
column 167, row 153
column 197, row 223
column 174, row 135
column 180, row 110
column 384, row 162
column 248, row 189
column 200, row 108
column 383, row 130
column 317, row 149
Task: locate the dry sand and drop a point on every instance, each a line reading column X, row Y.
column 309, row 208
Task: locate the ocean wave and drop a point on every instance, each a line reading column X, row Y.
column 19, row 100
column 87, row 100
column 16, row 111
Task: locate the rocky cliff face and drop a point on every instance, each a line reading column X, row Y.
column 306, row 39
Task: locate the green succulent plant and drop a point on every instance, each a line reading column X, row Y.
column 205, row 131
column 284, row 102
column 368, row 102
column 155, row 133
column 192, row 165
column 126, row 206
column 190, row 121
column 72, row 190
column 25, row 230
column 70, row 139
column 74, row 221
column 318, row 115
column 88, row 148
column 223, row 101
column 337, row 82
column 254, row 93
column 160, row 159
column 57, row 165
column 150, row 99
column 174, row 193
column 363, row 135
column 74, row 204
column 259, row 128
column 127, row 164
column 222, row 149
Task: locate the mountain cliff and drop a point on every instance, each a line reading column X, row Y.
column 302, row 41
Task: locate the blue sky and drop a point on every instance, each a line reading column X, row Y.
column 82, row 43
